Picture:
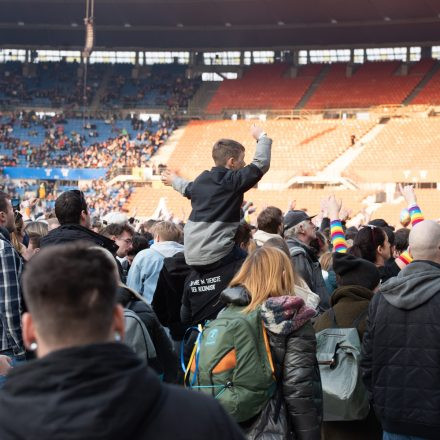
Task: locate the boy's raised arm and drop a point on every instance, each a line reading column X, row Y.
column 262, row 153
column 171, row 178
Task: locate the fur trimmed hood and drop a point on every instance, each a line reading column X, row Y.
column 281, row 315
column 285, row 314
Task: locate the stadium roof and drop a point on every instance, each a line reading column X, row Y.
column 225, row 24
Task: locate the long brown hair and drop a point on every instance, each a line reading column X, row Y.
column 265, row 273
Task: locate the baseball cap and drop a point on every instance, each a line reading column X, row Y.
column 294, row 217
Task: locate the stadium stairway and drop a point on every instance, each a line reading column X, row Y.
column 164, row 153
column 102, row 89
column 315, row 84
column 335, row 168
column 203, row 97
column 421, row 85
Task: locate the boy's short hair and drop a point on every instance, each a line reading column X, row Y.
column 224, row 149
column 168, row 231
column 70, row 291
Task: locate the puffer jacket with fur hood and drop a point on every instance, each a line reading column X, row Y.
column 293, row 345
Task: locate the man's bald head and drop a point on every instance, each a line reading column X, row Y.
column 424, row 241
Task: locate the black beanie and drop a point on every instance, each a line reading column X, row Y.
column 356, row 271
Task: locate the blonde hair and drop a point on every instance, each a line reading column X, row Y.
column 37, row 227
column 265, row 273
column 326, row 261
column 167, row 231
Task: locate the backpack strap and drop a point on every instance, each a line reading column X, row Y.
column 194, row 354
column 361, row 316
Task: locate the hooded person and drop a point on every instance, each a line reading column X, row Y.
column 357, row 280
column 401, row 349
column 85, row 384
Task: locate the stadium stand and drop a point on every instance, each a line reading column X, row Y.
column 163, row 85
column 145, row 200
column 430, row 94
column 406, row 150
column 373, row 83
column 263, row 87
column 302, row 147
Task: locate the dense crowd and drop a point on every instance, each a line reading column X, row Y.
column 77, row 150
column 59, row 85
column 296, row 327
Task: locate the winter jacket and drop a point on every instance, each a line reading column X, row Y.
column 293, row 346
column 260, row 237
column 166, row 361
column 73, row 232
column 389, row 270
column 401, row 352
column 147, row 264
column 103, row 391
column 348, row 303
column 167, row 299
column 306, row 265
column 216, row 199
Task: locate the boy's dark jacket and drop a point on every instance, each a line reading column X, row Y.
column 216, row 199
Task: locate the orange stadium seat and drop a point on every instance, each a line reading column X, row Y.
column 263, row 87
column 430, row 94
column 146, row 200
column 300, row 147
column 406, row 150
column 374, row 83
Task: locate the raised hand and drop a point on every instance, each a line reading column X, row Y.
column 168, row 177
column 256, row 131
column 333, row 207
column 408, row 194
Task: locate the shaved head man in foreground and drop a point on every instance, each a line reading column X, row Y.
column 401, row 347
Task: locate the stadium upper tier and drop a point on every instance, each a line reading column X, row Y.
column 261, row 87
column 59, row 85
column 264, row 87
column 370, row 84
column 300, row 148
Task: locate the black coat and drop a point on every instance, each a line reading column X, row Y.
column 201, row 295
column 104, row 391
column 401, row 352
column 72, row 232
column 166, row 361
column 293, row 347
column 167, row 299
